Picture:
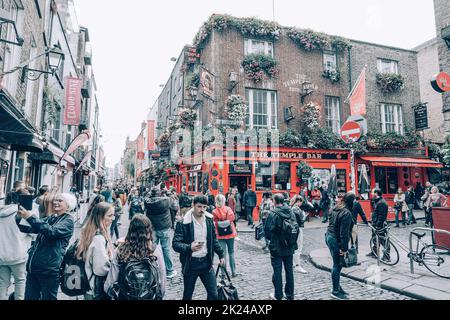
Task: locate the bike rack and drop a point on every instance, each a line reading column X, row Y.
column 411, row 261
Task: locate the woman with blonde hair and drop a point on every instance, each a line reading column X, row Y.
column 400, row 206
column 96, row 250
column 223, row 218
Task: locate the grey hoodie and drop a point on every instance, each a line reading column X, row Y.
column 14, row 244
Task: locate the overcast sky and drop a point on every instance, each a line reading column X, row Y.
column 133, row 41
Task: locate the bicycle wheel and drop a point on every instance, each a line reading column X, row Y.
column 393, row 255
column 436, row 259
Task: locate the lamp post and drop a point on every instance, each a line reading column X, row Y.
column 54, row 58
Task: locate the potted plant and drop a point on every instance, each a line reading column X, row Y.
column 390, row 82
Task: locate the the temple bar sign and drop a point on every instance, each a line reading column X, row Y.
column 299, row 155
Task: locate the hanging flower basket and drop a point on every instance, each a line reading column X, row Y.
column 236, row 108
column 390, row 82
column 304, row 170
column 187, row 119
column 163, row 139
column 257, row 66
column 311, row 116
column 333, row 75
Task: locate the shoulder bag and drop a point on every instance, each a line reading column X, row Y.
column 224, row 226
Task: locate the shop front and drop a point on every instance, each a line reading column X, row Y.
column 391, row 172
column 273, row 170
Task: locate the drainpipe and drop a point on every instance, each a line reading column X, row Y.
column 349, row 69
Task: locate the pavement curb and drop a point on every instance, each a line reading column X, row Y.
column 382, row 286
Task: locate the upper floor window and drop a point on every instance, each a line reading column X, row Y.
column 252, row 46
column 387, row 66
column 329, row 61
column 392, row 118
column 333, row 113
column 262, row 109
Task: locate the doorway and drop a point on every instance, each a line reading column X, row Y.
column 241, row 182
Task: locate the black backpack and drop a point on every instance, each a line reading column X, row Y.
column 140, row 280
column 289, row 231
column 73, row 278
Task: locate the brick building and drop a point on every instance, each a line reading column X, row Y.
column 442, row 14
column 33, row 135
column 428, row 62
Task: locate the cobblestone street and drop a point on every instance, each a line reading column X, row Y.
column 256, row 273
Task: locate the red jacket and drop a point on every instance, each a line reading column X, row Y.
column 221, row 214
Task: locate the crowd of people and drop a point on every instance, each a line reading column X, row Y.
column 35, row 247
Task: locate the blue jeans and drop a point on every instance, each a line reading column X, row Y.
column 18, row 271
column 411, row 217
column 397, row 213
column 333, row 245
column 325, row 211
column 224, row 243
column 277, row 278
column 163, row 237
column 249, row 211
column 41, row 287
column 207, row 276
column 263, row 221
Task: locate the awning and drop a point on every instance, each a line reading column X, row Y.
column 402, row 162
column 15, row 131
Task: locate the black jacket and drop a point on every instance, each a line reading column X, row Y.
column 249, row 199
column 410, row 197
column 157, row 210
column 272, row 231
column 46, row 254
column 341, row 221
column 325, row 200
column 185, row 200
column 358, row 210
column 184, row 236
column 380, row 213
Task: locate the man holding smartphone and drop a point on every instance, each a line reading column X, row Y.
column 195, row 240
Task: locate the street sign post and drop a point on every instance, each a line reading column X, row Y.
column 351, row 132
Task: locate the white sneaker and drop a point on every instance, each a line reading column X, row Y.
column 237, row 239
column 171, row 275
column 300, row 269
column 272, row 296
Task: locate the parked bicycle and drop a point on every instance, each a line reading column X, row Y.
column 434, row 257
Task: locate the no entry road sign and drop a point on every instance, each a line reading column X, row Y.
column 351, row 132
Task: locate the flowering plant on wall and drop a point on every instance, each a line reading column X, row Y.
column 309, row 40
column 163, row 139
column 236, row 108
column 311, row 116
column 390, row 82
column 304, row 169
column 257, row 65
column 340, row 44
column 333, row 75
column 187, row 118
column 249, row 27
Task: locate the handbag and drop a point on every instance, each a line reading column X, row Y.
column 259, row 232
column 226, row 291
column 350, row 258
column 224, row 227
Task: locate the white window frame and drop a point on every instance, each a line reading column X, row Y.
column 329, row 61
column 271, row 109
column 395, row 122
column 249, row 47
column 393, row 68
column 333, row 113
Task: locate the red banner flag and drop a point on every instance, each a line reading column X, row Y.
column 72, row 111
column 76, row 143
column 357, row 97
column 151, row 135
column 140, row 147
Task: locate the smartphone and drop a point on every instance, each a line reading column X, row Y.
column 26, row 201
column 201, row 243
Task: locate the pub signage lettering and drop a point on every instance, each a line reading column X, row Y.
column 240, row 168
column 299, row 155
